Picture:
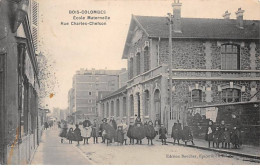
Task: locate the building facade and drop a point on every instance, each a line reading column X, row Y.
column 214, row 61
column 88, row 85
column 19, row 84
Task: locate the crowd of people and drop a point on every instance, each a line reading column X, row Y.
column 111, row 131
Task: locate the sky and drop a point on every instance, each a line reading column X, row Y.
column 73, row 47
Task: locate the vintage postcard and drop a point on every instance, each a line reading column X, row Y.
column 129, row 82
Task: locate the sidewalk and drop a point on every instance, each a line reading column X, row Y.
column 52, row 152
column 245, row 150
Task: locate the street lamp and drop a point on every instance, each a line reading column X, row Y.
column 20, row 14
column 170, row 22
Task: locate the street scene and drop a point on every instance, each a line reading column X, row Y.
column 129, row 82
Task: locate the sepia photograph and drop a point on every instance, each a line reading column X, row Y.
column 129, row 82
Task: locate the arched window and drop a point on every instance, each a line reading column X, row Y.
column 112, row 108
column 196, row 95
column 107, row 110
column 230, row 57
column 146, row 59
column 117, row 107
column 231, row 95
column 131, row 68
column 131, row 105
column 146, row 103
column 124, row 106
column 138, row 64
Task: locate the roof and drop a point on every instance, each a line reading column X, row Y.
column 192, row 28
column 117, row 92
column 201, row 28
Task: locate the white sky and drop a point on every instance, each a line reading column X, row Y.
column 75, row 47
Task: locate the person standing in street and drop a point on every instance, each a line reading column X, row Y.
column 101, row 129
column 77, row 134
column 95, row 131
column 209, row 132
column 236, row 126
column 227, row 138
column 63, row 131
column 70, row 135
column 222, row 127
column 157, row 124
column 162, row 134
column 86, row 132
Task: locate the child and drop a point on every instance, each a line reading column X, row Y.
column 216, row 135
column 227, row 138
column 70, row 135
column 86, row 132
column 176, row 132
column 150, row 132
column 162, row 134
column 209, row 132
column 187, row 135
column 77, row 134
column 119, row 135
column 94, row 132
column 235, row 137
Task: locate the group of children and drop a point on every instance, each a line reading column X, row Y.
column 223, row 135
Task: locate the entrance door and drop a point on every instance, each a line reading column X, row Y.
column 2, row 112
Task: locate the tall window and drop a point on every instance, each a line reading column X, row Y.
column 231, row 95
column 146, row 59
column 131, row 68
column 146, row 103
column 138, row 64
column 124, row 106
column 131, row 105
column 230, row 57
column 117, row 108
column 196, row 95
column 112, row 108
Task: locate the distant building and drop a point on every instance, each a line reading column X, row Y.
column 88, row 85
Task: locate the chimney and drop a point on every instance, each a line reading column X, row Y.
column 239, row 14
column 226, row 15
column 176, row 16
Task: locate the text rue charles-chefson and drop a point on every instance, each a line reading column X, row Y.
column 87, row 18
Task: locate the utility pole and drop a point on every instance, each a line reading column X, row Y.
column 170, row 16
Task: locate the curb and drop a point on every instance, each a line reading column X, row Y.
column 32, row 157
column 221, row 151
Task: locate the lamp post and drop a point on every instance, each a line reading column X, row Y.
column 170, row 22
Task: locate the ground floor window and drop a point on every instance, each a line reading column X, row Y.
column 231, row 95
